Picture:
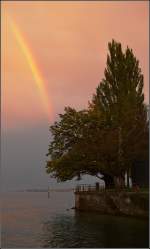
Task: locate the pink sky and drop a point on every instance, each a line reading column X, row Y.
column 69, row 43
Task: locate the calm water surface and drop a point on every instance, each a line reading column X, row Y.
column 33, row 220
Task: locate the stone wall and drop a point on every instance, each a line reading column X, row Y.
column 115, row 203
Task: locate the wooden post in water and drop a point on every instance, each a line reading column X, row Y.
column 48, row 193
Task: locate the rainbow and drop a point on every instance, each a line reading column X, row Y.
column 40, row 84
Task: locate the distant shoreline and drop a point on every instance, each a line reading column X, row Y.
column 41, row 190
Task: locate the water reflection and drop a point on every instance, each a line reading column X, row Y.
column 80, row 230
column 32, row 220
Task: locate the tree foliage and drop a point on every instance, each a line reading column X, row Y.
column 107, row 137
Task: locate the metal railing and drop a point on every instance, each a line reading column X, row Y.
column 89, row 188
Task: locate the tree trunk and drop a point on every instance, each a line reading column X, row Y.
column 128, row 183
column 119, row 182
column 109, row 181
column 120, row 151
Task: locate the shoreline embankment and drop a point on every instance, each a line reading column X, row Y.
column 135, row 204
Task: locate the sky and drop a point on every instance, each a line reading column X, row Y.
column 54, row 55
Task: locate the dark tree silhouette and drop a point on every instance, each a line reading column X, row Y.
column 111, row 134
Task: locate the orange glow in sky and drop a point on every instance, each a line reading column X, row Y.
column 32, row 64
column 56, row 54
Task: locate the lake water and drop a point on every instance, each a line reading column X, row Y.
column 31, row 220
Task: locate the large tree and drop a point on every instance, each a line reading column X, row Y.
column 119, row 100
column 101, row 141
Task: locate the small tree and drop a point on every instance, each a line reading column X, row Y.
column 81, row 145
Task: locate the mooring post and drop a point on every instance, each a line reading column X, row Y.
column 48, row 193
